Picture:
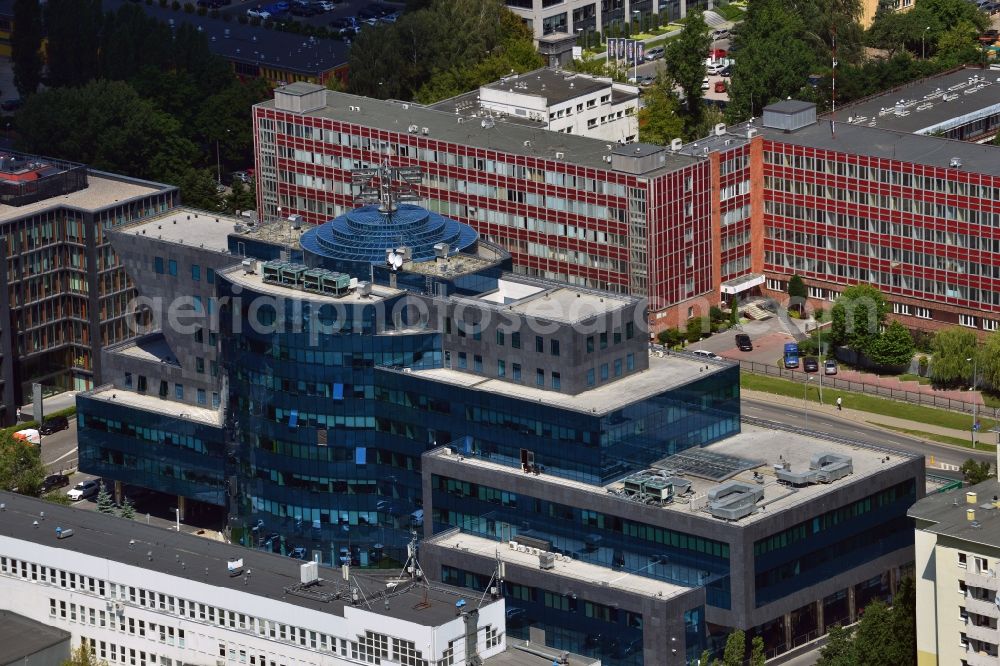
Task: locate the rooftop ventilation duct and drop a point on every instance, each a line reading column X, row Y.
column 734, row 500
column 823, row 468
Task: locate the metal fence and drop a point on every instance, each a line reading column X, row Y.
column 835, row 383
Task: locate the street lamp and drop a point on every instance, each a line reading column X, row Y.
column 580, row 33
column 975, row 405
column 923, row 50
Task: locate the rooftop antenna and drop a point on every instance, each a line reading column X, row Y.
column 386, row 185
column 498, row 576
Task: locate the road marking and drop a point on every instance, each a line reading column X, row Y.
column 65, row 455
column 948, row 467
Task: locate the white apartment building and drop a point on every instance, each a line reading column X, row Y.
column 144, row 596
column 957, row 562
column 556, row 100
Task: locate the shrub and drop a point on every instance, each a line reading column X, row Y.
column 716, row 314
column 922, row 366
column 794, row 314
column 175, row 5
column 188, row 8
column 818, row 314
column 695, row 329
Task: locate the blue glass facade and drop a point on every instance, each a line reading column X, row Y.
column 833, row 543
column 152, row 450
column 591, row 536
column 313, row 466
column 593, row 448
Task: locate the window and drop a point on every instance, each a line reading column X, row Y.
column 901, row 308
column 604, row 340
column 515, row 339
column 199, row 364
column 982, row 565
column 539, row 377
column 556, row 380
column 618, row 367
column 477, row 363
column 158, row 265
column 463, row 361
column 590, row 344
column 201, row 397
column 141, row 385
column 128, row 380
column 539, row 344
column 172, row 267
column 215, row 400
column 604, row 372
column 629, row 330
column 501, row 368
column 966, row 320
column 199, row 335
column 962, row 560
column 554, row 347
column 499, row 337
column 210, row 276
column 590, row 377
column 516, row 367
column 195, row 273
column 922, row 313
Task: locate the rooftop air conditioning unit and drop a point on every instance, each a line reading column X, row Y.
column 720, row 129
column 425, row 131
column 412, row 129
column 249, row 266
column 676, row 144
column 560, row 155
column 955, row 163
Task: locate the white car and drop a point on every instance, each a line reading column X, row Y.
column 261, row 14
column 715, row 68
column 706, row 354
column 83, row 490
column 705, row 84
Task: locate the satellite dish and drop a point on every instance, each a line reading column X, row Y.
column 391, row 259
column 397, row 261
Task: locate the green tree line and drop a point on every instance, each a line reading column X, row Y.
column 127, row 93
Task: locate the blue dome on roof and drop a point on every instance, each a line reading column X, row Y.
column 361, row 236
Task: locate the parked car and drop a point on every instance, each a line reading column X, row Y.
column 714, row 68
column 726, row 71
column 720, row 86
column 55, row 424
column 706, row 354
column 53, row 481
column 810, row 364
column 84, row 489
column 720, row 34
column 11, row 104
column 261, row 14
column 830, row 367
column 241, row 176
column 743, row 342
column 417, row 518
column 654, row 53
column 705, row 85
column 297, row 553
column 326, row 6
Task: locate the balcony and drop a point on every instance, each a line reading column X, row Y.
column 984, row 581
column 987, row 608
column 986, row 634
column 976, row 659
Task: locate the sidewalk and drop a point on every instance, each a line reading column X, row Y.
column 857, row 416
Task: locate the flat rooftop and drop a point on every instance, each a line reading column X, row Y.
column 255, row 282
column 467, row 105
column 510, row 138
column 888, row 144
column 555, row 85
column 187, row 226
column 152, row 402
column 188, row 556
column 927, row 105
column 548, row 300
column 769, row 447
column 101, row 191
column 539, row 655
column 21, row 638
column 564, row 567
column 276, row 232
column 152, row 348
column 946, row 512
column 662, row 375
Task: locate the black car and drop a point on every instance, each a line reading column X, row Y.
column 55, row 424
column 743, row 342
column 726, row 71
column 810, row 364
column 53, row 481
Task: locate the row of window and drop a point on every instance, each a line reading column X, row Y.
column 141, row 386
column 171, row 269
column 366, row 649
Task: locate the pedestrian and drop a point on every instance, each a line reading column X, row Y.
column 840, row 404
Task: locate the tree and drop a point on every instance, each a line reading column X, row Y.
column 73, row 29
column 695, row 329
column 874, row 642
column 26, row 46
column 949, row 13
column 241, row 198
column 954, row 352
column 684, row 58
column 736, row 647
column 989, row 361
column 797, row 292
column 958, row 45
column 975, row 472
column 894, row 347
column 734, row 312
column 772, row 58
column 659, row 122
column 21, row 466
column 105, row 503
column 705, row 659
column 857, row 317
column 839, row 648
column 127, row 509
column 904, row 622
column 84, row 656
column 757, row 651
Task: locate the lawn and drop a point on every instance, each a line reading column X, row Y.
column 865, row 403
column 910, row 377
column 730, row 13
column 944, row 439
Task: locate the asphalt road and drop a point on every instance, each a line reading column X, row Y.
column 822, row 423
column 59, row 449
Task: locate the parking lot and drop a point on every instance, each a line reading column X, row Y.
column 317, row 14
